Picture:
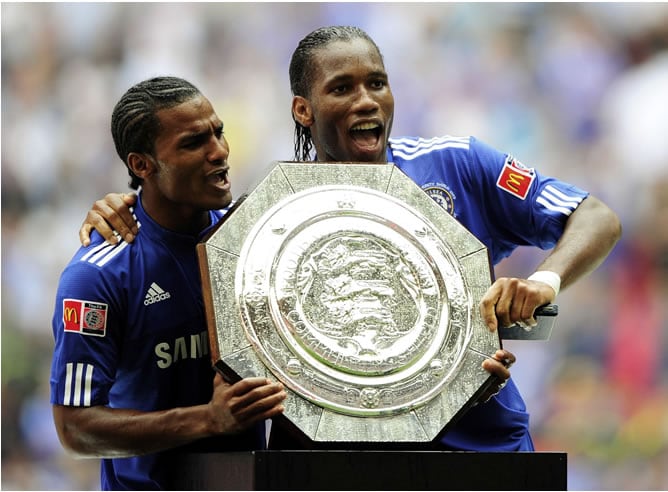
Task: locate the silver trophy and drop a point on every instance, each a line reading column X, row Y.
column 356, row 290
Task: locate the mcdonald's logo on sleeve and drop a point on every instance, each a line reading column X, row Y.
column 85, row 317
column 515, row 179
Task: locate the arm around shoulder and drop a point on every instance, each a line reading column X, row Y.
column 111, row 213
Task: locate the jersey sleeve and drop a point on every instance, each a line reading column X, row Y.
column 86, row 324
column 521, row 205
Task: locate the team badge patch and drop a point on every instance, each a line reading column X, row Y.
column 441, row 195
column 515, row 178
column 85, row 317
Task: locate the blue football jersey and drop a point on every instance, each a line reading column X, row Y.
column 505, row 204
column 130, row 332
column 502, row 202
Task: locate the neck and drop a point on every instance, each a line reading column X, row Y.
column 183, row 219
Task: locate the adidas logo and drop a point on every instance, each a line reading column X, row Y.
column 155, row 294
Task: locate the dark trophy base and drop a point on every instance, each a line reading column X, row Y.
column 372, row 470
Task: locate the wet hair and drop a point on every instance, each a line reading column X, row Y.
column 134, row 122
column 302, row 72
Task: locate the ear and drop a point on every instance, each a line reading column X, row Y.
column 301, row 111
column 142, row 165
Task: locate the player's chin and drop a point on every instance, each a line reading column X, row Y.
column 368, row 155
column 217, row 201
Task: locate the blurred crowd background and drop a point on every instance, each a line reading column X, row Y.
column 576, row 90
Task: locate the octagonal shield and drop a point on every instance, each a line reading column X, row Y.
column 356, row 290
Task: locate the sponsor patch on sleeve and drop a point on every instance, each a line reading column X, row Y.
column 515, row 178
column 85, row 317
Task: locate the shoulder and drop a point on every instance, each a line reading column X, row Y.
column 409, row 148
column 93, row 268
column 102, row 254
column 101, row 262
column 90, row 281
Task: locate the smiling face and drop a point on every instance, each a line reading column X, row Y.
column 350, row 106
column 187, row 175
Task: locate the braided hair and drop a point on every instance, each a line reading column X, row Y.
column 134, row 123
column 302, row 72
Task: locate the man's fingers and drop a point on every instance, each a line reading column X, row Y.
column 488, row 307
column 84, row 234
column 249, row 391
column 247, row 385
column 129, row 199
column 512, row 300
column 95, row 221
column 115, row 210
column 496, row 368
column 110, row 214
column 505, row 357
column 499, row 364
column 260, row 402
column 260, row 409
column 499, row 305
column 246, row 402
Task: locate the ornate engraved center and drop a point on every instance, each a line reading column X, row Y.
column 359, row 304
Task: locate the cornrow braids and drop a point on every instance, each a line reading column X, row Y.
column 302, row 72
column 134, row 123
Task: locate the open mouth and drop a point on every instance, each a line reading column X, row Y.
column 366, row 134
column 219, row 177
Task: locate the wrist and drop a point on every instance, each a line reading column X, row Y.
column 547, row 277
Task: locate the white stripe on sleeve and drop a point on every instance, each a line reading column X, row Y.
column 68, row 384
column 550, row 206
column 78, row 384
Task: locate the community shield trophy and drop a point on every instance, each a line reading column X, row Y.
column 356, row 290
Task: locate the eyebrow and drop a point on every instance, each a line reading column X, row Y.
column 193, row 136
column 345, row 77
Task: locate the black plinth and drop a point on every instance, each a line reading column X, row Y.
column 372, row 470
